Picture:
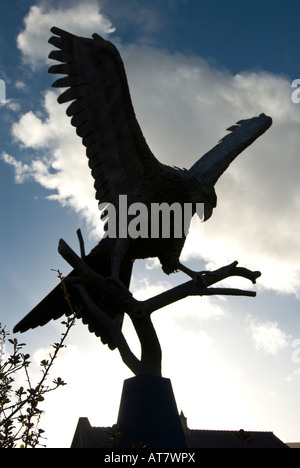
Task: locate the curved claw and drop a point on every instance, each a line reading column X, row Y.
column 199, row 279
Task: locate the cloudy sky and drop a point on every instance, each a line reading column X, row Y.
column 194, row 68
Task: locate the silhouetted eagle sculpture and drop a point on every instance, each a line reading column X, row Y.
column 122, row 164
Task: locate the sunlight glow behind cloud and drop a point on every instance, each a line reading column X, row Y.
column 79, row 19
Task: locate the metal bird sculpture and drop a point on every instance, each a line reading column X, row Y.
column 121, row 163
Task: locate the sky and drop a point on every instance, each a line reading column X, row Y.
column 194, row 69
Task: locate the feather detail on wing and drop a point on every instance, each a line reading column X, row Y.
column 212, row 165
column 102, row 112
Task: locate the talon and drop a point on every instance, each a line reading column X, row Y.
column 199, row 279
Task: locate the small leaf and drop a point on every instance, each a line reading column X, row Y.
column 59, row 381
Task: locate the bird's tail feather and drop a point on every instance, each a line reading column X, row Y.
column 54, row 305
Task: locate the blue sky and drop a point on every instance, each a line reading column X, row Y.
column 194, row 68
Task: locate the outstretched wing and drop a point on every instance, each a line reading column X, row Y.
column 243, row 134
column 102, row 113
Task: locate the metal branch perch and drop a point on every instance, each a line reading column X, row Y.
column 140, row 311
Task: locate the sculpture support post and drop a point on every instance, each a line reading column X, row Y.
column 148, row 414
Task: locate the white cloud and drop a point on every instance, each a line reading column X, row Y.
column 81, row 19
column 60, row 162
column 12, row 105
column 22, row 171
column 20, row 84
column 195, row 310
column 267, row 336
column 142, row 289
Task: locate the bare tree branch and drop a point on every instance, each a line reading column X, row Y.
column 211, row 277
column 121, row 296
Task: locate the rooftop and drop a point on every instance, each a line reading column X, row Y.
column 87, row 436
